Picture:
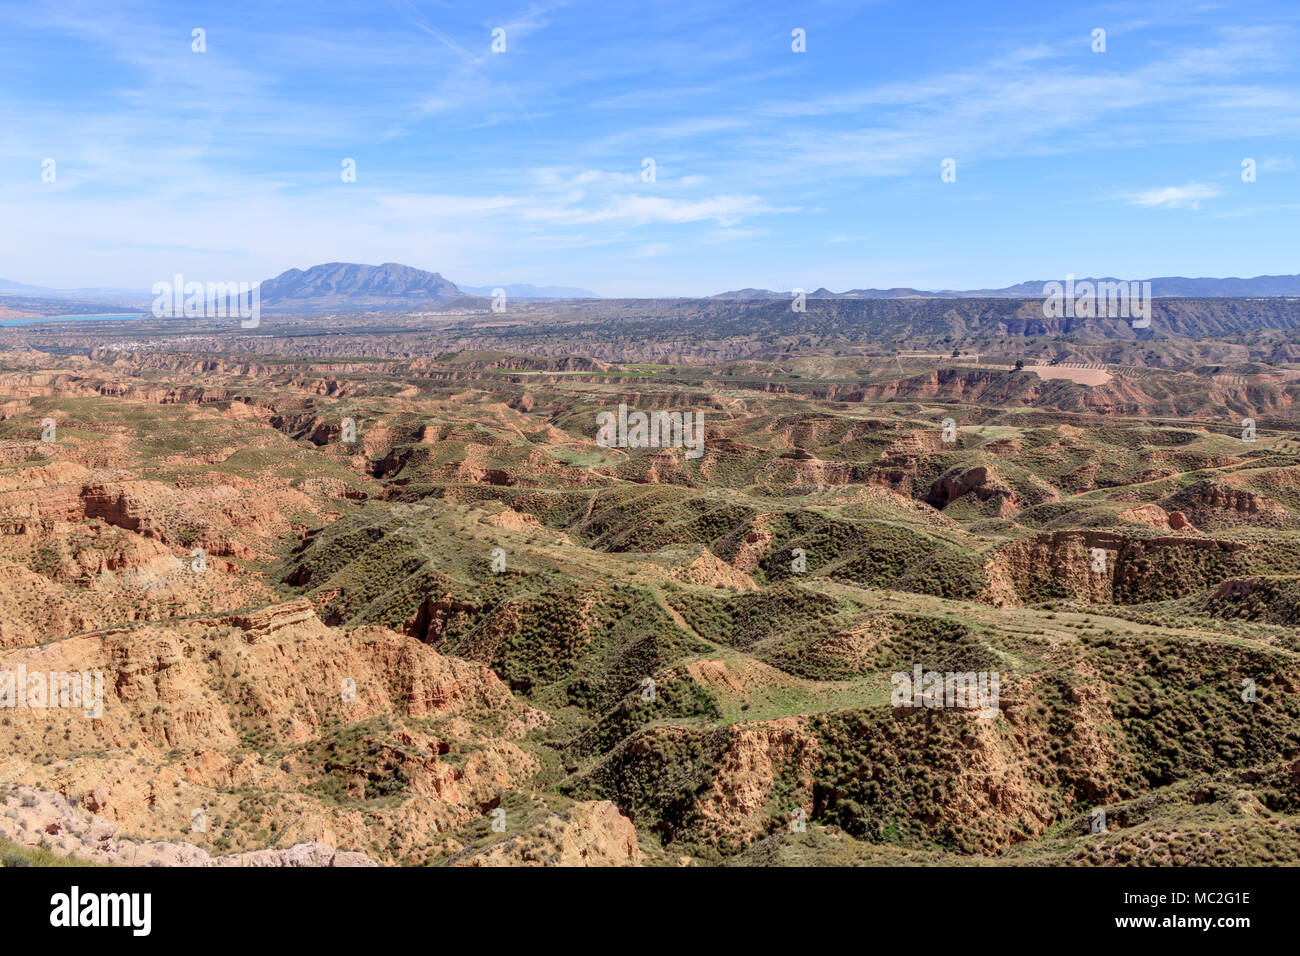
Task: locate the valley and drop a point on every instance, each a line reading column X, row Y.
column 368, row 582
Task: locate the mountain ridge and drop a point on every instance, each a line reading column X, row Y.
column 394, row 286
column 334, row 285
column 1262, row 286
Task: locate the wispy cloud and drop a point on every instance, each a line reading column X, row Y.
column 1174, row 197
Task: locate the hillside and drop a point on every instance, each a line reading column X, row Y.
column 459, row 603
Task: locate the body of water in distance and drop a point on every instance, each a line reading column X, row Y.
column 116, row 317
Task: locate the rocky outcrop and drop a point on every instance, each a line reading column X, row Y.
column 710, row 570
column 737, row 773
column 263, row 623
column 178, row 704
column 1217, row 504
column 1154, row 516
column 750, row 759
column 754, row 545
column 1267, row 598
column 981, row 482
column 899, row 465
column 1127, row 570
column 40, row 819
column 591, row 833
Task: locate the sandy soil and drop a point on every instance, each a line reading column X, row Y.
column 1084, row 376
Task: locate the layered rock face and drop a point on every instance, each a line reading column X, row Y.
column 1105, row 566
column 179, row 704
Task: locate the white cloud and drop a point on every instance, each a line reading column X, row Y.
column 1174, row 197
column 640, row 210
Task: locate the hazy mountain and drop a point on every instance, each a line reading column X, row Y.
column 751, row 294
column 350, row 285
column 17, row 288
column 100, row 298
column 1165, row 286
column 353, row 286
column 525, row 290
column 1259, row 286
column 20, row 299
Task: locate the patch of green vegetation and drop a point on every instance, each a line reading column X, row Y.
column 16, row 855
column 364, row 753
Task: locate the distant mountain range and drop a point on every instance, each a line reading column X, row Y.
column 98, row 298
column 332, row 286
column 350, row 286
column 17, row 288
column 1169, row 286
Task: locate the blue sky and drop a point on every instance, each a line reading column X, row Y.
column 774, row 169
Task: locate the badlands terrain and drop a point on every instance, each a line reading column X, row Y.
column 364, row 588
